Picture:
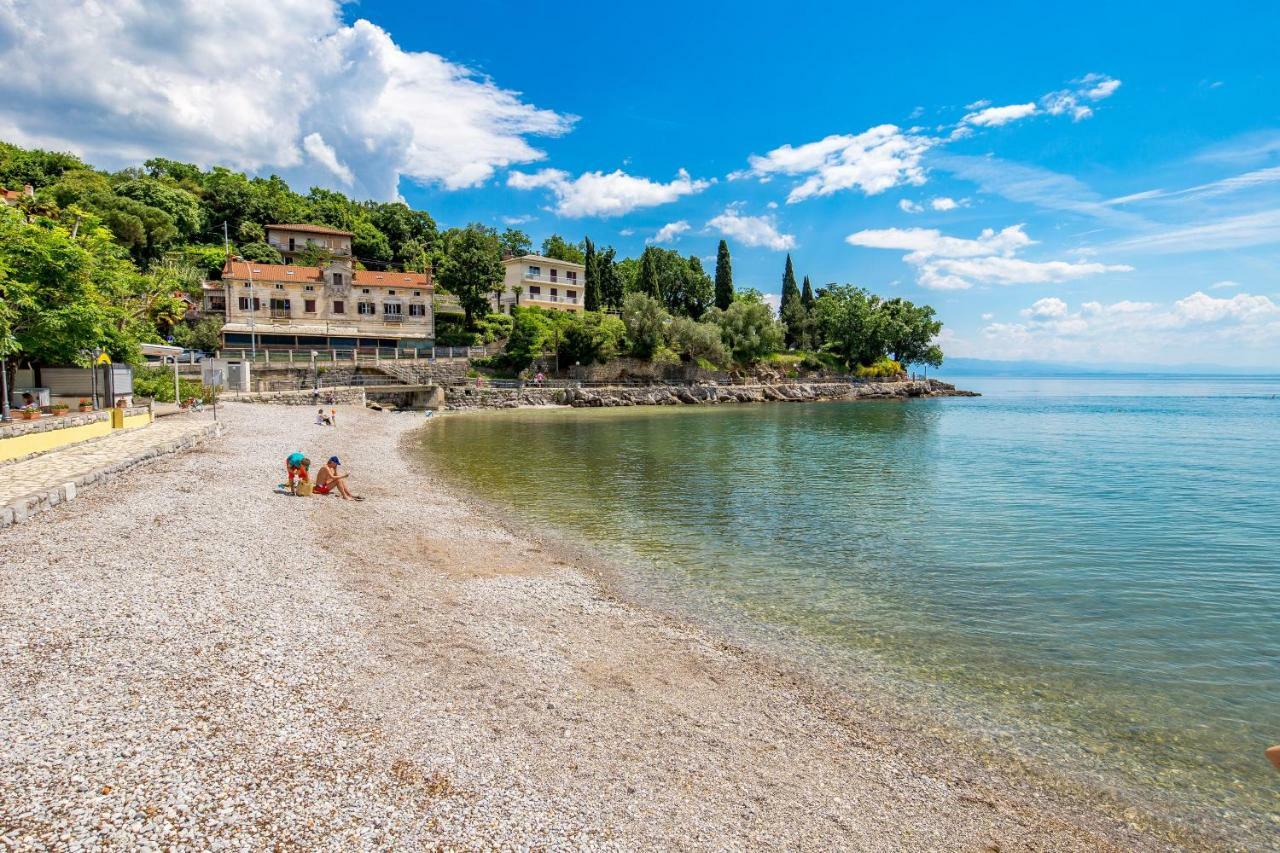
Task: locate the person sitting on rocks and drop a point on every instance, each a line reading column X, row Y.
column 328, row 478
column 322, row 419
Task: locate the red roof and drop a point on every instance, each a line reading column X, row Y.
column 311, row 229
column 239, row 271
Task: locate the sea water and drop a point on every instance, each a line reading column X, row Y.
column 1098, row 558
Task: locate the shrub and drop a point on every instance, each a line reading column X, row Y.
column 748, row 330
column 883, row 368
column 157, row 383
column 646, row 322
column 700, row 342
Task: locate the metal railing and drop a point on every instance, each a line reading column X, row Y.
column 551, row 279
column 541, row 297
column 302, row 357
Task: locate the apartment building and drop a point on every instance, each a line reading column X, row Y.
column 532, row 280
column 330, row 307
column 292, row 240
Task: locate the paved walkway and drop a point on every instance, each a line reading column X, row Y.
column 36, row 484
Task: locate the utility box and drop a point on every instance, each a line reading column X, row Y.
column 117, row 418
column 231, row 374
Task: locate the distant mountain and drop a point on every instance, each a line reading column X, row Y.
column 992, row 367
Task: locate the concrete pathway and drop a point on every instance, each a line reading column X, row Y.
column 33, row 485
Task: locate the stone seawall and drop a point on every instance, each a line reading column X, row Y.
column 676, row 395
column 306, row 397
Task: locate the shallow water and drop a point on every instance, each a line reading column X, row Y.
column 1100, row 557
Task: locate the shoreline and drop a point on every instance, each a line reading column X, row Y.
column 412, row 670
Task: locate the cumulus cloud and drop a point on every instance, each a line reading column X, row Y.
column 752, row 230
column 945, row 203
column 1192, row 326
column 1074, row 101
column 670, row 232
column 906, row 205
column 1224, row 285
column 605, row 195
column 323, row 153
column 872, row 161
column 956, row 263
column 285, row 86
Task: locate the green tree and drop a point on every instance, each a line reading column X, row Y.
column 806, row 294
column 724, row 277
column 694, row 341
column 561, row 249
column 690, row 291
column 852, row 323
column 371, row 246
column 792, row 310
column 646, row 322
column 515, row 243
column 748, row 330
column 611, row 283
column 19, row 166
column 179, row 205
column 54, row 307
column 910, row 331
column 646, row 280
column 262, row 253
column 591, row 291
column 471, row 268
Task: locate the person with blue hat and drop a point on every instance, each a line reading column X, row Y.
column 328, row 478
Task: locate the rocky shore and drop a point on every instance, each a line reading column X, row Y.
column 191, row 660
column 459, row 397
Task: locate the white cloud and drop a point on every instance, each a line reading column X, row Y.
column 774, row 301
column 1224, row 285
column 1049, row 306
column 997, row 116
column 752, row 230
column 1196, row 326
column 1234, row 232
column 285, row 86
column 773, row 205
column 670, row 232
column 605, row 195
column 956, row 263
column 988, row 316
column 627, row 232
column 906, row 205
column 872, row 161
column 324, row 154
column 517, row 220
column 1090, row 87
column 945, row 203
column 924, row 243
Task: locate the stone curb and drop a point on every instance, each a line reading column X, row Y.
column 24, row 508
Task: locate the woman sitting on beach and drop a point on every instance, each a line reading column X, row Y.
column 328, row 479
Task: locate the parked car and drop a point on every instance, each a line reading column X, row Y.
column 192, row 356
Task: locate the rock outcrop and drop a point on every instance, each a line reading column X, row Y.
column 694, row 395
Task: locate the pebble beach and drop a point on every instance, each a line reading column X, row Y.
column 191, row 660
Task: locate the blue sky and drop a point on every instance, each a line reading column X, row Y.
column 1092, row 183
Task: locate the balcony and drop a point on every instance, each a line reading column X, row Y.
column 280, row 314
column 541, row 297
column 283, row 248
column 395, row 319
column 544, row 278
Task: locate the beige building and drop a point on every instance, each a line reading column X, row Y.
column 290, row 240
column 330, row 307
column 535, row 281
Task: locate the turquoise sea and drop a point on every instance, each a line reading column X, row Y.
column 1087, row 569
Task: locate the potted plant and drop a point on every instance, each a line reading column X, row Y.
column 59, row 408
column 29, row 413
column 86, row 405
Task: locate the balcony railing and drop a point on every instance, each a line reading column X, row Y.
column 539, row 297
column 280, row 314
column 340, row 251
column 393, row 318
column 572, row 282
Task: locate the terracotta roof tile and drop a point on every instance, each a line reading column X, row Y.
column 239, row 271
column 311, row 229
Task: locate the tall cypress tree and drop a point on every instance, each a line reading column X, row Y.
column 724, row 277
column 647, row 277
column 806, row 295
column 792, row 309
column 591, row 298
column 610, row 281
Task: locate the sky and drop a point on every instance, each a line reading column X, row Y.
column 1090, row 183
